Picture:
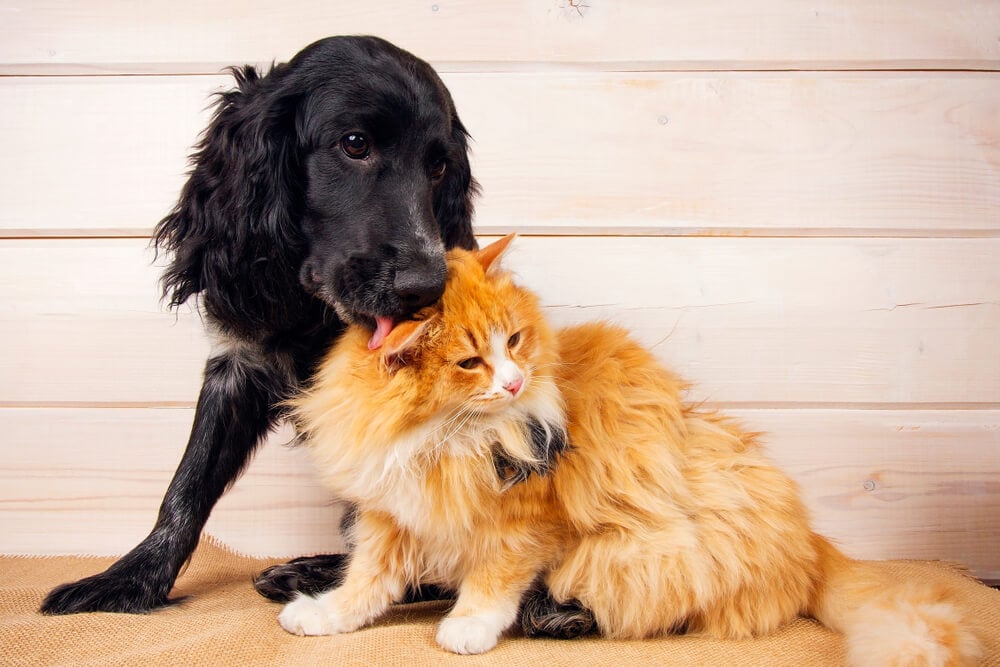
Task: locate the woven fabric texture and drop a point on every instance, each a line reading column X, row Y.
column 224, row 622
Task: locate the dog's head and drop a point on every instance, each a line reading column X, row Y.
column 385, row 154
column 341, row 175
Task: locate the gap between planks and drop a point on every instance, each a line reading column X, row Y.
column 585, row 231
column 876, row 67
column 710, row 405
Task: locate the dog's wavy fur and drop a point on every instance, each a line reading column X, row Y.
column 658, row 517
column 279, row 237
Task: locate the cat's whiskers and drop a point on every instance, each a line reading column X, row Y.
column 553, row 378
column 457, row 413
column 470, row 409
column 412, row 465
column 547, row 383
column 446, row 439
column 562, row 364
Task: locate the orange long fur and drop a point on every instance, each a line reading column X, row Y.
column 659, row 516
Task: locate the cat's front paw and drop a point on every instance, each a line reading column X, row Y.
column 305, row 616
column 467, row 635
column 312, row 617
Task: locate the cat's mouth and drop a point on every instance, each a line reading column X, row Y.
column 383, row 327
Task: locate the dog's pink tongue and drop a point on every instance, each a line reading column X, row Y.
column 383, row 325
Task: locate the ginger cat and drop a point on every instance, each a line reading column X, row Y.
column 654, row 515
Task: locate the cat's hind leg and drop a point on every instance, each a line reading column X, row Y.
column 633, row 589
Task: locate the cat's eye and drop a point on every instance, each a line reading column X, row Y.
column 470, row 363
column 514, row 340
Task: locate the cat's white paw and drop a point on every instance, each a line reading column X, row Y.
column 309, row 616
column 467, row 634
column 305, row 616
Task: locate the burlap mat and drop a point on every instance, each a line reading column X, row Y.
column 226, row 623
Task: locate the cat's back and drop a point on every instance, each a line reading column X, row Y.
column 596, row 356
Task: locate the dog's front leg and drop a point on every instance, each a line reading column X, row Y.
column 235, row 410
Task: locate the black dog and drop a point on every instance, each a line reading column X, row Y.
column 323, row 192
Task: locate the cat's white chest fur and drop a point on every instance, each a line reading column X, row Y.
column 404, row 499
column 372, row 478
column 395, row 482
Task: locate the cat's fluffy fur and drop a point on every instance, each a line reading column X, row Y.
column 658, row 517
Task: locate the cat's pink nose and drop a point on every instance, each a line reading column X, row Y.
column 514, row 386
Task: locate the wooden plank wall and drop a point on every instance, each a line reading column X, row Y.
column 796, row 204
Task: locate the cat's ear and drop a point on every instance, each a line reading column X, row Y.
column 489, row 257
column 399, row 346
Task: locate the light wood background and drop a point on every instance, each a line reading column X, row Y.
column 796, row 204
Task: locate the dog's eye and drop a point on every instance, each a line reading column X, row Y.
column 355, row 146
column 438, row 169
column 470, row 363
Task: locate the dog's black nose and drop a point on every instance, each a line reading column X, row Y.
column 416, row 288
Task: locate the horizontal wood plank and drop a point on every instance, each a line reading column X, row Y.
column 882, row 484
column 738, row 154
column 85, row 321
column 656, row 154
column 184, row 37
column 115, row 165
column 758, row 322
column 90, row 481
column 896, row 484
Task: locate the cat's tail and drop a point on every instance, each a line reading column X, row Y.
column 888, row 619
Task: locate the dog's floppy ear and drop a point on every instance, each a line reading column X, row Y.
column 453, row 206
column 239, row 203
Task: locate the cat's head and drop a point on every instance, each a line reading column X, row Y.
column 484, row 346
column 474, row 374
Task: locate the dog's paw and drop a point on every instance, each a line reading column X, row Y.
column 117, row 592
column 309, row 616
column 467, row 634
